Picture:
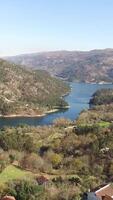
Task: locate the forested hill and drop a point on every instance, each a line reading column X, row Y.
column 28, row 92
column 103, row 96
column 89, row 66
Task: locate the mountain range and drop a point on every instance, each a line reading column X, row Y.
column 81, row 66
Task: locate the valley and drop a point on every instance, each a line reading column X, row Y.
column 56, row 100
column 66, row 158
column 77, row 100
column 55, row 142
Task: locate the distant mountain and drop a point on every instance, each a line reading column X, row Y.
column 28, row 92
column 90, row 66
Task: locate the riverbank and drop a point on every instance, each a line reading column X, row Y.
column 34, row 115
column 20, row 115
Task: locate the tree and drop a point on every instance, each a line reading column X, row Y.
column 54, row 158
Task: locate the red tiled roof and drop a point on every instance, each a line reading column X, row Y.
column 105, row 191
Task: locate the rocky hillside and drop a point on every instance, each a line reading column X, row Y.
column 91, row 66
column 28, row 92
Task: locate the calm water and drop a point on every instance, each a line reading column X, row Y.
column 78, row 100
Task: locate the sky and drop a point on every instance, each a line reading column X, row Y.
column 28, row 26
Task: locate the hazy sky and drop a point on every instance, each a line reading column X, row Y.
column 44, row 25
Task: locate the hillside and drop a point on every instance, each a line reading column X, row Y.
column 90, row 66
column 28, row 92
column 58, row 161
column 103, row 96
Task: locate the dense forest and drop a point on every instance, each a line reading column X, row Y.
column 58, row 162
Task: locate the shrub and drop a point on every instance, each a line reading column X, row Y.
column 32, row 162
column 54, row 158
column 62, row 122
column 25, row 190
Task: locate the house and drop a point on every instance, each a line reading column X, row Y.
column 105, row 192
column 102, row 193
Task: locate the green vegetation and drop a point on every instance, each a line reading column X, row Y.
column 103, row 96
column 28, row 92
column 25, row 190
column 11, row 173
column 104, row 124
column 79, row 157
column 61, row 161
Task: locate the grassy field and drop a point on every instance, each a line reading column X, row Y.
column 104, row 124
column 11, row 173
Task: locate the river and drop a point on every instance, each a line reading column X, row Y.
column 78, row 99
